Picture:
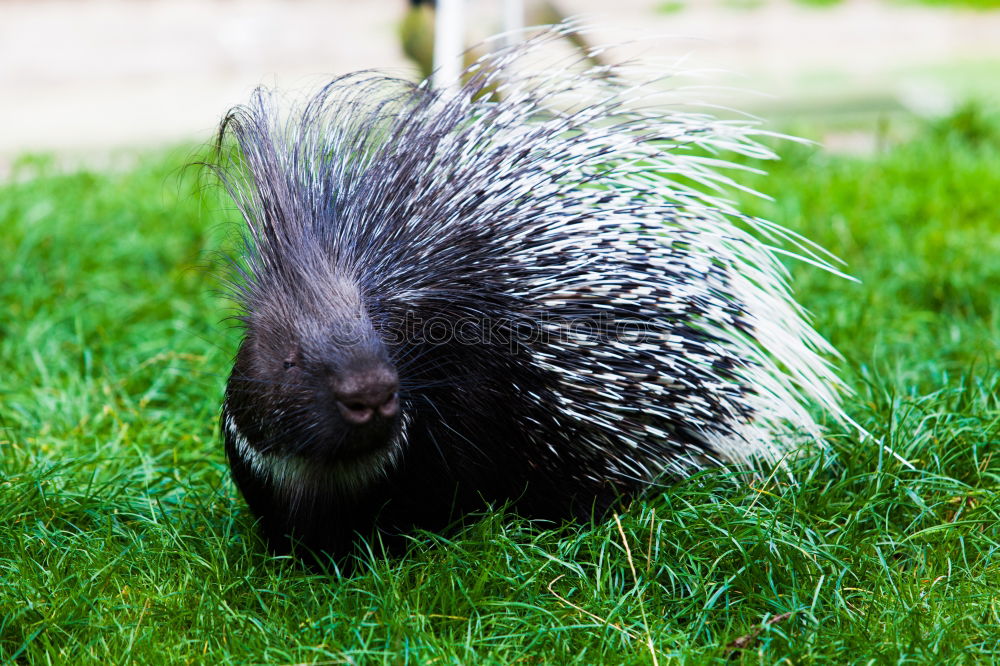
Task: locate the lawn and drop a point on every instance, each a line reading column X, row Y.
column 122, row 539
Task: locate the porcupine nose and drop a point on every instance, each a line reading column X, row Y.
column 367, row 395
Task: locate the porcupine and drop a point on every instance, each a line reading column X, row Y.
column 509, row 293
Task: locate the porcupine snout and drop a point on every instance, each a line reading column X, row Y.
column 358, row 389
column 366, row 395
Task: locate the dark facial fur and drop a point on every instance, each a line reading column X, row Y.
column 451, row 301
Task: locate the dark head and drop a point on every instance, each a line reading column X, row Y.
column 313, row 384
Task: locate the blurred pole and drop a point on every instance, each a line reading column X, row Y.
column 513, row 21
column 449, row 43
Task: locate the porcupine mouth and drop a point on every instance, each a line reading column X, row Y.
column 347, row 474
column 366, row 457
column 364, row 445
column 359, row 470
column 292, row 472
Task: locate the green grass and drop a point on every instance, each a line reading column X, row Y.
column 122, row 540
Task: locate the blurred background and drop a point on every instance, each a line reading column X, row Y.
column 86, row 78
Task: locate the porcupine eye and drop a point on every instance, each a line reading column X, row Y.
column 291, row 361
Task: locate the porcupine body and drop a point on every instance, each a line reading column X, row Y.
column 451, row 301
